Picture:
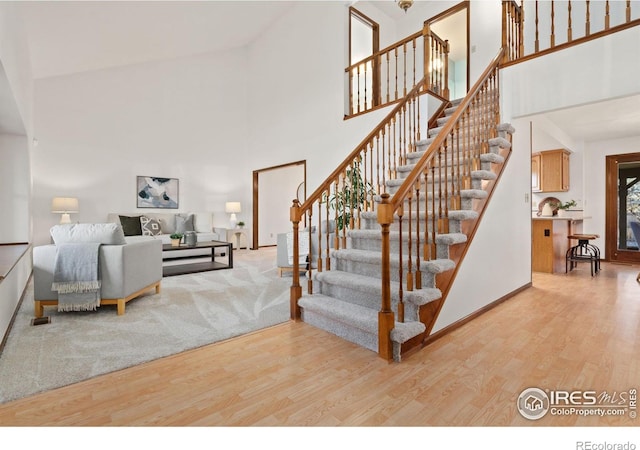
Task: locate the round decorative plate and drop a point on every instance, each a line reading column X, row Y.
column 553, row 200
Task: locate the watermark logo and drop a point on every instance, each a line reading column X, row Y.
column 535, row 403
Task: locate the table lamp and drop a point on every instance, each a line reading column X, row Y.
column 232, row 208
column 64, row 206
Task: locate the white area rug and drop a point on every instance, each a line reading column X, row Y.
column 191, row 311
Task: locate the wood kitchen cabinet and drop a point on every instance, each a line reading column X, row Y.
column 550, row 243
column 550, row 171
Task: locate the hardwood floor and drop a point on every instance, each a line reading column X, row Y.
column 567, row 332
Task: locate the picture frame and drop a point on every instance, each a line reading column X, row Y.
column 157, row 192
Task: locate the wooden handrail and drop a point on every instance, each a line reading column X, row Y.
column 513, row 26
column 457, row 147
column 410, row 179
column 387, row 49
column 387, row 75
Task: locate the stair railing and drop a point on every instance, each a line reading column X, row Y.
column 556, row 25
column 429, row 194
column 350, row 192
column 386, row 76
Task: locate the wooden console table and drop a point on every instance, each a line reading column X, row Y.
column 197, row 266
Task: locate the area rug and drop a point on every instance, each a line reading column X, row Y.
column 191, row 311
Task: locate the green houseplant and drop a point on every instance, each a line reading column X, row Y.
column 563, row 207
column 352, row 196
column 241, row 224
column 175, row 239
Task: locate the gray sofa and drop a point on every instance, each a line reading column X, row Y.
column 126, row 269
column 160, row 226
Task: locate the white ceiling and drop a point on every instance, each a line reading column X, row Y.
column 611, row 119
column 74, row 36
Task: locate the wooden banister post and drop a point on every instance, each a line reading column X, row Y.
column 386, row 317
column 296, row 290
column 426, row 58
column 505, row 56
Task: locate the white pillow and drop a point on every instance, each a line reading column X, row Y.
column 203, row 222
column 103, row 233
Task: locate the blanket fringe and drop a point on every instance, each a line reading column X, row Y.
column 66, row 307
column 66, row 287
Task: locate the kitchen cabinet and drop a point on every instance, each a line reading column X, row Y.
column 550, row 243
column 550, row 171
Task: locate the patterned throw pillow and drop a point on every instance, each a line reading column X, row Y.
column 150, row 227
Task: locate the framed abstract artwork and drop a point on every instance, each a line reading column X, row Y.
column 157, row 192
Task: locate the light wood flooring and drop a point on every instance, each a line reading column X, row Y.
column 567, row 332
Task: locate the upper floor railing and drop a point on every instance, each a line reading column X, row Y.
column 389, row 74
column 533, row 28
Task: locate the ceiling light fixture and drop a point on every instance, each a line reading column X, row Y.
column 405, row 4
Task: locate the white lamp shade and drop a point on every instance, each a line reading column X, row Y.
column 64, row 205
column 232, row 207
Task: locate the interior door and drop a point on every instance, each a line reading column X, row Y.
column 623, row 207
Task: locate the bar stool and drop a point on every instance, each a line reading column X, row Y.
column 583, row 252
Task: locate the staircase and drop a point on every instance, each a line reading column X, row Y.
column 386, row 277
column 348, row 298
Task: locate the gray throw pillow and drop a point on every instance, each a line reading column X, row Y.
column 184, row 223
column 131, row 225
column 103, row 233
column 150, row 227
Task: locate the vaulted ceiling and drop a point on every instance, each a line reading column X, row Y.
column 74, row 36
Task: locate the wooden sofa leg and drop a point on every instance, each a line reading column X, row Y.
column 121, row 305
column 39, row 309
column 158, row 288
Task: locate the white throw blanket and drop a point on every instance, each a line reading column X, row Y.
column 303, row 243
column 75, row 277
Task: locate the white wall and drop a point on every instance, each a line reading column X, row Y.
column 15, row 175
column 182, row 118
column 538, row 86
column 15, row 188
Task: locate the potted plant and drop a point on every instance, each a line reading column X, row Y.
column 175, row 239
column 563, row 207
column 241, row 224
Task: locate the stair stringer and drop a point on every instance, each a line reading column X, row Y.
column 429, row 312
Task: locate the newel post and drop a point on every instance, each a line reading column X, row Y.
column 426, row 34
column 386, row 317
column 296, row 290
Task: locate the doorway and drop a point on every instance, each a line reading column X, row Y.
column 622, row 207
column 453, row 25
column 274, row 189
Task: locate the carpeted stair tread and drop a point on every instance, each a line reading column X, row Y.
column 373, row 286
column 499, row 142
column 465, row 193
column 403, row 331
column 451, row 238
column 413, row 157
column 370, row 257
column 358, row 316
column 463, row 214
column 347, row 313
column 475, row 174
column 446, row 238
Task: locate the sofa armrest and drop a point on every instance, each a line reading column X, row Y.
column 221, row 233
column 125, row 269
column 44, row 259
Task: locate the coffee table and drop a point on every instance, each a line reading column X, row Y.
column 198, row 266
